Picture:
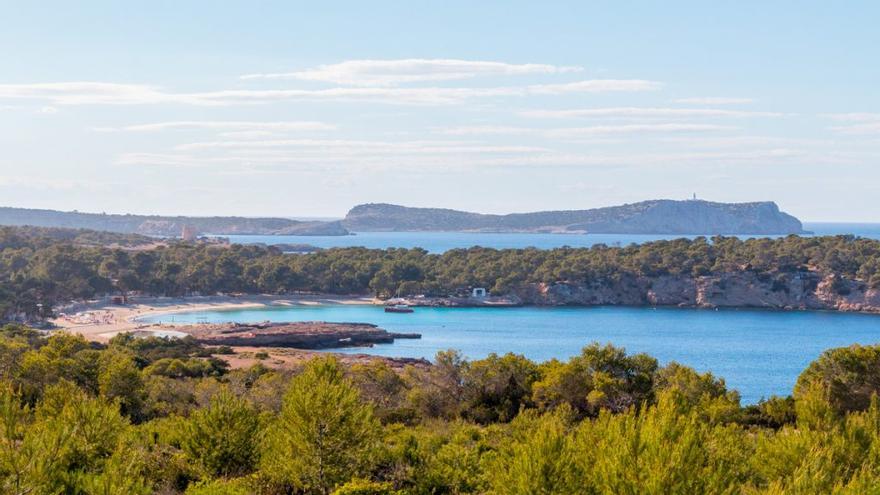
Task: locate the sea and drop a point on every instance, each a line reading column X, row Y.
column 439, row 242
column 759, row 353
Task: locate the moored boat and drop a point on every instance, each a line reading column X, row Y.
column 398, row 308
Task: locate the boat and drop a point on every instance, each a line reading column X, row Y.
column 398, row 308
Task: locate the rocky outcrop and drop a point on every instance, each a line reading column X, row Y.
column 299, row 335
column 648, row 217
column 799, row 290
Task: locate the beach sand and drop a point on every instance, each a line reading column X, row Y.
column 110, row 319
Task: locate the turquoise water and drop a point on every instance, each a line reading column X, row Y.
column 438, row 242
column 759, row 353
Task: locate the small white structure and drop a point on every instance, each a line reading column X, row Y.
column 479, row 292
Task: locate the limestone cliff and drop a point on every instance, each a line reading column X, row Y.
column 801, row 290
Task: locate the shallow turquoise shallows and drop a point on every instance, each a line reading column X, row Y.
column 759, row 353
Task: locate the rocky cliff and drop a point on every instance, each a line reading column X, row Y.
column 647, row 217
column 800, row 290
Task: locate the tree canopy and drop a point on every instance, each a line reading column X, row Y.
column 83, row 418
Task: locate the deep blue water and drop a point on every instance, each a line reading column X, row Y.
column 438, row 242
column 759, row 353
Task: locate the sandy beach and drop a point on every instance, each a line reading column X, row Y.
column 99, row 321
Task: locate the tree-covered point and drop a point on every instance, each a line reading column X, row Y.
column 82, row 418
column 46, row 270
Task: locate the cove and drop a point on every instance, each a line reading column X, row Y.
column 759, row 353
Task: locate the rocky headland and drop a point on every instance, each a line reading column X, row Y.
column 802, row 290
column 647, row 217
column 298, row 335
column 783, row 291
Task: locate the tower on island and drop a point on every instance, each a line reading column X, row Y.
column 189, row 233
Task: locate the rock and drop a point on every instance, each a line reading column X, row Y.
column 299, row 335
column 798, row 290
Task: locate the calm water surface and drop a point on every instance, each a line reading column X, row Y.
column 759, row 353
column 438, row 242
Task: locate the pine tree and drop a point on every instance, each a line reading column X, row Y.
column 324, row 434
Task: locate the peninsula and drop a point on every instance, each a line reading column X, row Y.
column 657, row 217
column 647, row 217
column 166, row 226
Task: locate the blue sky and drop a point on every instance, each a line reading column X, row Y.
column 301, row 109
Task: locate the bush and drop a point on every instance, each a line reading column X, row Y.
column 223, row 437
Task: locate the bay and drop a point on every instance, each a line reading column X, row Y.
column 439, row 242
column 759, row 353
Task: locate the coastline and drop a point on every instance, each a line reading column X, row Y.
column 116, row 319
column 101, row 320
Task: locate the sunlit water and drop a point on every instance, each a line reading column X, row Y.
column 759, row 353
column 438, row 242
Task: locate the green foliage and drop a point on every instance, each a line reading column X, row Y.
column 40, row 271
column 381, row 385
column 849, row 377
column 224, row 437
column 187, row 368
column 324, row 434
column 497, row 388
column 774, row 412
column 70, row 444
column 536, row 458
column 139, row 417
column 365, row 487
column 602, row 377
column 693, row 391
column 119, row 379
column 220, row 487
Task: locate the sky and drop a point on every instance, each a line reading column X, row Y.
column 305, row 109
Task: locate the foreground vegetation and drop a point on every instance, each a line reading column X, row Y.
column 40, row 270
column 162, row 416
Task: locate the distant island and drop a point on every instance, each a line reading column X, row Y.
column 646, row 217
column 166, row 226
column 657, row 217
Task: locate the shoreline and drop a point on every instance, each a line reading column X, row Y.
column 100, row 320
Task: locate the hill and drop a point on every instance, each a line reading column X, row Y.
column 646, row 217
column 165, row 226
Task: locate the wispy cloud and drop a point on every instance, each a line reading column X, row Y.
column 854, row 116
column 859, row 123
column 722, row 142
column 647, row 113
column 395, row 72
column 345, row 161
column 484, row 130
column 84, row 92
column 228, row 125
column 569, row 132
column 714, row 100
column 595, row 86
column 355, row 147
column 864, row 129
column 600, row 130
column 100, row 93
